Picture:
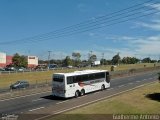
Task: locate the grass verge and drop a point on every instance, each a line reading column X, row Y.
column 145, row 100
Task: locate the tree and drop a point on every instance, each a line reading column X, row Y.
column 146, row 60
column 76, row 57
column 116, row 59
column 67, row 61
column 19, row 61
column 129, row 60
column 93, row 58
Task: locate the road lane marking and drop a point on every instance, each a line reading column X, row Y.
column 36, row 109
column 121, row 86
column 130, row 83
column 62, row 102
column 138, row 81
column 37, row 100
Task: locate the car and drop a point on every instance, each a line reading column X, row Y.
column 53, row 66
column 2, row 69
column 10, row 69
column 20, row 84
column 21, row 69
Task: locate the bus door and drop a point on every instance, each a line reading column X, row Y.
column 107, row 77
column 71, row 86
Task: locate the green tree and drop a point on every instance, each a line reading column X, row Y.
column 67, row 61
column 76, row 57
column 93, row 58
column 129, row 60
column 116, row 59
column 19, row 61
column 146, row 60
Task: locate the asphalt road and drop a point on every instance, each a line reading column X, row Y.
column 43, row 105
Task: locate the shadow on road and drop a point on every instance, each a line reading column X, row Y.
column 154, row 96
column 51, row 97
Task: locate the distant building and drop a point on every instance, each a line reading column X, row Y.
column 2, row 59
column 32, row 61
column 9, row 60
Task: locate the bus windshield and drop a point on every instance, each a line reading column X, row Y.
column 58, row 78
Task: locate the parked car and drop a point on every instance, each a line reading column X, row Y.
column 21, row 69
column 10, row 69
column 2, row 69
column 53, row 66
column 20, row 84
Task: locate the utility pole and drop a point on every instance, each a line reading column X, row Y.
column 118, row 58
column 49, row 54
column 102, row 58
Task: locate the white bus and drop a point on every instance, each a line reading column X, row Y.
column 78, row 83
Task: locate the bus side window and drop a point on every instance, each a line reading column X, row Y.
column 70, row 80
column 107, row 77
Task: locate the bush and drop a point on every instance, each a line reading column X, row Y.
column 132, row 70
column 112, row 68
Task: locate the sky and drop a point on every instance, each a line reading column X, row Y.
column 21, row 20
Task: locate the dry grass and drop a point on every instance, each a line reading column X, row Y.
column 39, row 77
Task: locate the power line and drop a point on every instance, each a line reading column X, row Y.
column 92, row 24
column 52, row 35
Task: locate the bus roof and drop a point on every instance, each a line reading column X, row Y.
column 83, row 72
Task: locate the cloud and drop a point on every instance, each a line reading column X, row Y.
column 153, row 22
column 152, row 26
column 135, row 47
column 155, row 6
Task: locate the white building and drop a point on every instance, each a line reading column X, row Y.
column 2, row 59
column 32, row 61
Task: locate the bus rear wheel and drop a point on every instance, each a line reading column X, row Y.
column 82, row 92
column 102, row 87
column 76, row 94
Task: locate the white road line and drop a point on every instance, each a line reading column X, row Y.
column 61, row 102
column 144, row 79
column 64, row 110
column 24, row 96
column 138, row 81
column 37, row 100
column 36, row 109
column 130, row 83
column 121, row 86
